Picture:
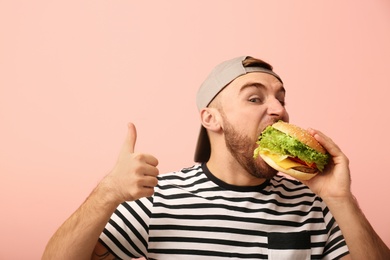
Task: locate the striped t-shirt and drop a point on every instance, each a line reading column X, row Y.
column 194, row 215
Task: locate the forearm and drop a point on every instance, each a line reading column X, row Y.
column 77, row 237
column 363, row 242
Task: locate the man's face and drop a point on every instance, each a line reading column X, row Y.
column 248, row 105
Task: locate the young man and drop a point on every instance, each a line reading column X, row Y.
column 228, row 205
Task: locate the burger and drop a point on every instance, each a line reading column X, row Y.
column 291, row 150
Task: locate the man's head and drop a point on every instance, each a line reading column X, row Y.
column 247, row 96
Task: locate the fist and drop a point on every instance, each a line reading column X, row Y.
column 135, row 174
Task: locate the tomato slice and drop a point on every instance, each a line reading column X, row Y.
column 311, row 165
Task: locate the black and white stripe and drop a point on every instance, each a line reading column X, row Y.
column 193, row 215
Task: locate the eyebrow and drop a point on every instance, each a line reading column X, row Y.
column 259, row 85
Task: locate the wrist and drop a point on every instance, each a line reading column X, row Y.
column 348, row 200
column 108, row 193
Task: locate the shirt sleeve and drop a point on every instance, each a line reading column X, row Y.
column 126, row 233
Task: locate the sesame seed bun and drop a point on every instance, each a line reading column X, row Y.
column 300, row 134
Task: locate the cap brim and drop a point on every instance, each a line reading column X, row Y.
column 202, row 152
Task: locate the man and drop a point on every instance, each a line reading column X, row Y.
column 229, row 205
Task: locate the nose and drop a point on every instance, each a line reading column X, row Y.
column 277, row 109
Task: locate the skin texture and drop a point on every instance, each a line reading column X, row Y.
column 234, row 120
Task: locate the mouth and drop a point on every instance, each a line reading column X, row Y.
column 271, row 122
column 268, row 124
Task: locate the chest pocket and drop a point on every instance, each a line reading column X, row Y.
column 292, row 246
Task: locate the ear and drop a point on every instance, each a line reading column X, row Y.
column 211, row 119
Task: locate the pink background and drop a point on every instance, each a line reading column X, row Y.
column 73, row 73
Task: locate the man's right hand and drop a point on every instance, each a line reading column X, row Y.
column 134, row 175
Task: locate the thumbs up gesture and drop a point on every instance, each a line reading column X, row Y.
column 135, row 174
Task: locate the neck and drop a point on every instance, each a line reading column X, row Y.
column 232, row 172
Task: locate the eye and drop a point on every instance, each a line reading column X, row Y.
column 255, row 100
column 281, row 98
column 282, row 102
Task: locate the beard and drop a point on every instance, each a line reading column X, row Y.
column 241, row 147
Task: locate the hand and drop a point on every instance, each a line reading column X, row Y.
column 335, row 181
column 135, row 174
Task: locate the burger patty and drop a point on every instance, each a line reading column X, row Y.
column 305, row 169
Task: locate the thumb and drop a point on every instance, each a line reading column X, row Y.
column 131, row 138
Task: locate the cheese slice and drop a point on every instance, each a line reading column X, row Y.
column 282, row 160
